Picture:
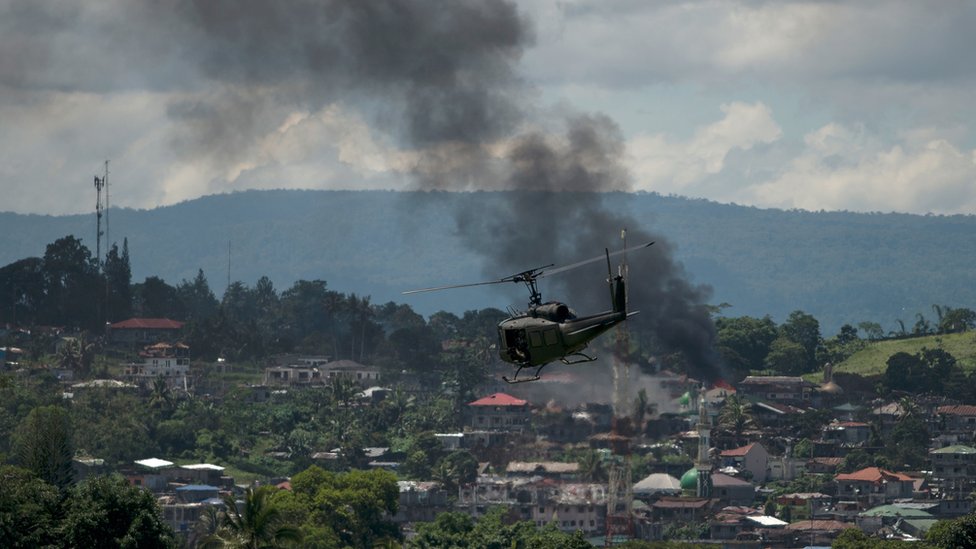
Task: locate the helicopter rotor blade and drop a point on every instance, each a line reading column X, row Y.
column 523, row 276
column 594, row 259
column 437, row 288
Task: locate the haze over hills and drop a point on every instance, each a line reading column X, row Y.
column 840, row 267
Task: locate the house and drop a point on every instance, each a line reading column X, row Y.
column 752, row 459
column 420, row 501
column 363, row 375
column 958, row 423
column 203, row 473
column 151, row 473
column 293, row 375
column 875, row 519
column 740, row 522
column 196, row 493
column 548, row 469
column 806, row 533
column 783, row 389
column 732, row 491
column 954, row 471
column 847, row 433
column 873, row 486
column 168, row 361
column 138, row 332
column 572, row 506
column 681, row 509
column 498, row 412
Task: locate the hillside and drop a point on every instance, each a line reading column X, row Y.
column 841, row 267
column 872, row 360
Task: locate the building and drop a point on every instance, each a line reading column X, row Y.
column 954, row 471
column 498, row 412
column 168, row 361
column 784, row 389
column 872, row 486
column 313, row 371
column 547, row 469
column 752, row 459
column 732, row 491
column 139, row 332
column 420, row 501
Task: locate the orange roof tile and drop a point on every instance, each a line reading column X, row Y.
column 148, row 323
column 874, row 475
column 499, row 399
column 738, row 451
column 957, row 410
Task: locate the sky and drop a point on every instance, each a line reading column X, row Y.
column 858, row 106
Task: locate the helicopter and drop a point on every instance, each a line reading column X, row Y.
column 546, row 332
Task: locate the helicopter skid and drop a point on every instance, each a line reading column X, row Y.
column 515, row 379
column 581, row 358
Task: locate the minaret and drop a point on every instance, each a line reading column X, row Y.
column 703, row 465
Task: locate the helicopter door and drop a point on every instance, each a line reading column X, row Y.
column 517, row 344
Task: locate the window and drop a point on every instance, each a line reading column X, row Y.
column 550, row 336
column 535, row 339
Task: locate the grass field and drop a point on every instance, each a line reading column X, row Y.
column 872, row 360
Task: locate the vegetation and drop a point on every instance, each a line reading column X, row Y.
column 334, row 503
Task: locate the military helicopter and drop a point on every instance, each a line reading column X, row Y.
column 551, row 331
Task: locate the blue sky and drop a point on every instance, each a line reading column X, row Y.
column 865, row 106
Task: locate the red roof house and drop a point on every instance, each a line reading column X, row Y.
column 144, row 331
column 498, row 412
column 873, row 486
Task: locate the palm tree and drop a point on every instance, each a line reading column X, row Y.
column 591, row 467
column 257, row 524
column 735, row 416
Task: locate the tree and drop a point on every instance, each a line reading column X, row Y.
column 872, row 330
column 118, row 282
column 197, row 298
column 950, row 534
column 591, row 467
column 29, row 510
column 456, row 469
column 957, row 320
column 803, row 329
column 735, row 417
column 256, row 523
column 71, row 284
column 106, row 511
column 157, row 299
column 346, row 510
column 22, row 291
column 749, row 339
column 787, row 357
column 42, row 444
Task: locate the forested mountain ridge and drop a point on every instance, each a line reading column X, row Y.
column 841, row 267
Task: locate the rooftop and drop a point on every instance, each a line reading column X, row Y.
column 147, row 324
column 499, row 399
column 875, row 475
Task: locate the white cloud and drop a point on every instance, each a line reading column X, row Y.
column 840, row 169
column 675, row 167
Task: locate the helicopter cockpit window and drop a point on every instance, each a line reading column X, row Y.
column 550, row 336
column 535, row 339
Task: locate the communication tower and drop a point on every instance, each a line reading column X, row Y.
column 620, row 491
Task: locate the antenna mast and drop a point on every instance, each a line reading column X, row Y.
column 108, row 241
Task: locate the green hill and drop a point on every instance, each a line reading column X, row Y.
column 840, row 267
column 872, row 360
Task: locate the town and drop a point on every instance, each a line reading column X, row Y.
column 787, row 456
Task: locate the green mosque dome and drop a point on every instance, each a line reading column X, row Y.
column 689, row 480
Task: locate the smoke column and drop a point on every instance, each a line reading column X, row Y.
column 442, row 80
